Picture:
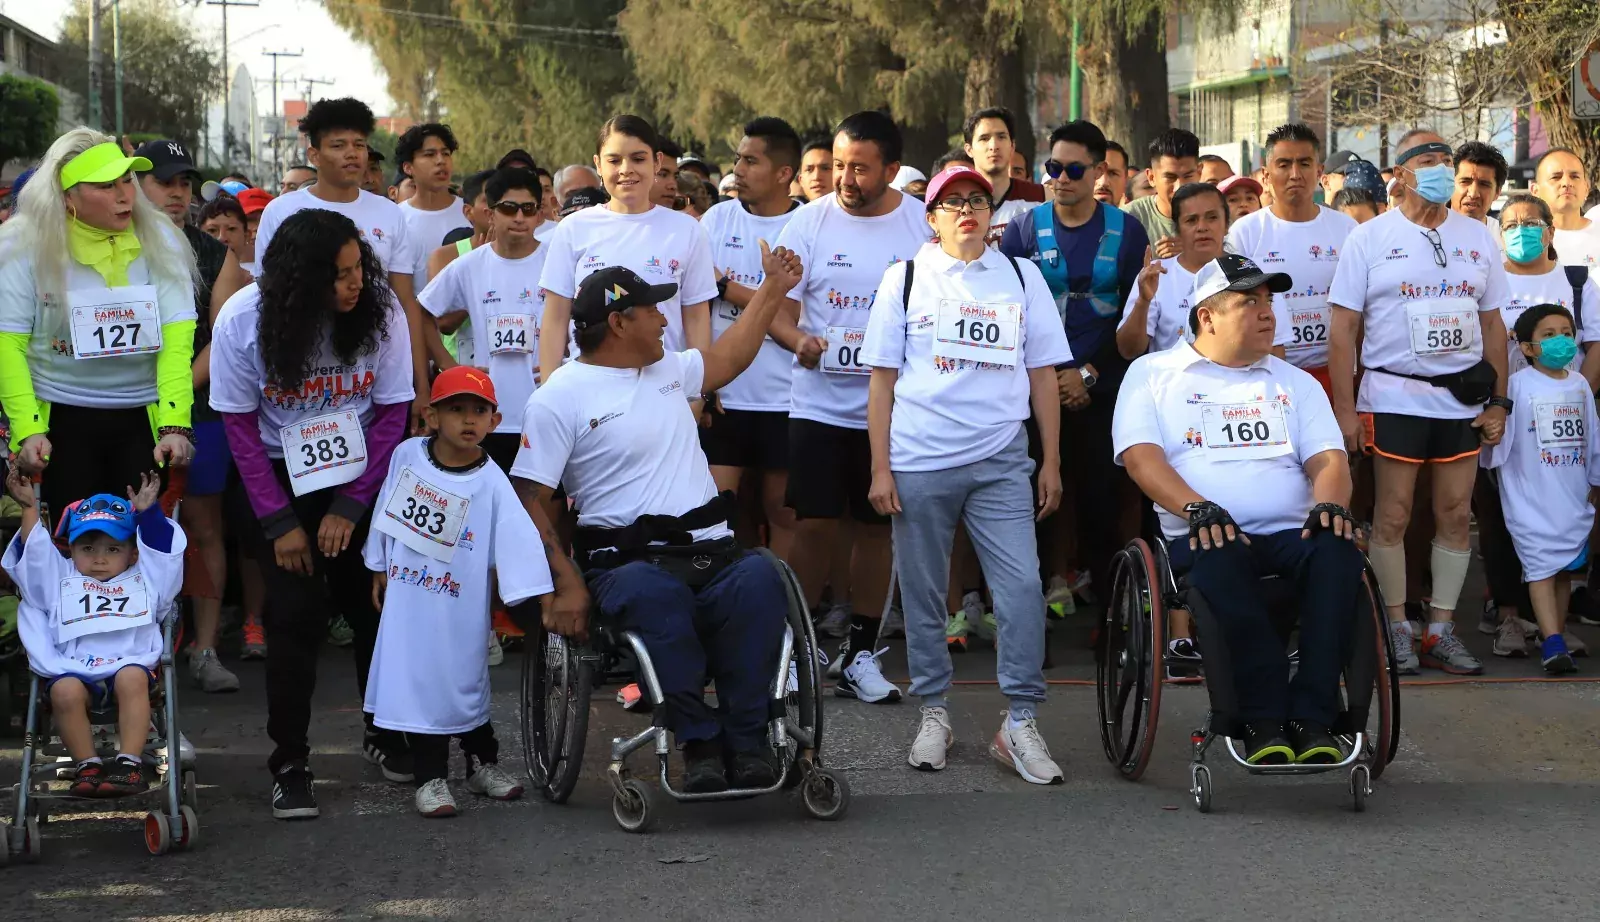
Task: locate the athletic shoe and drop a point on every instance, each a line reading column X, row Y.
column 497, row 654
column 155, row 748
column 1489, row 618
column 980, row 622
column 956, row 629
column 836, row 623
column 894, row 623
column 1022, row 748
column 751, row 770
column 255, row 639
column 632, row 699
column 933, row 740
column 208, row 672
column 292, row 796
column 1575, row 645
column 1058, row 598
column 1405, row 654
column 1582, row 606
column 434, row 800
column 87, row 782
column 1445, row 651
column 340, row 633
column 702, row 767
column 863, row 679
column 1555, row 657
column 836, row 666
column 1509, row 639
column 394, row 761
column 1080, row 580
column 1182, row 661
column 1313, row 744
column 490, row 780
column 1264, row 744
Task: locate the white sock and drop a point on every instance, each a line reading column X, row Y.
column 127, row 757
column 92, row 760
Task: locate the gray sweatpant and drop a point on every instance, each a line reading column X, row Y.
column 995, row 500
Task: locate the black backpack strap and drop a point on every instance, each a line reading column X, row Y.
column 1018, row 270
column 905, row 290
column 1577, row 276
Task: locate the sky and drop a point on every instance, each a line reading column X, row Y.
column 328, row 51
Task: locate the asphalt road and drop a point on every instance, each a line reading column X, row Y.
column 1488, row 814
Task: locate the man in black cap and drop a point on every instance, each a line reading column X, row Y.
column 517, row 157
column 1333, row 172
column 1246, row 465
column 615, row 429
column 579, row 199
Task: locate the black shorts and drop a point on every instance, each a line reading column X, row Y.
column 502, row 448
column 1420, row 439
column 830, row 472
column 747, row 438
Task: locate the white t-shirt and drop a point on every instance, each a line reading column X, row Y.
column 1547, row 462
column 661, row 245
column 380, row 221
column 734, row 233
column 622, row 441
column 38, row 569
column 504, row 304
column 1309, row 252
column 1549, row 288
column 239, row 374
column 1240, row 437
column 427, row 229
column 1579, row 247
column 1167, row 318
column 843, row 259
column 110, row 382
column 1418, row 317
column 999, row 218
column 430, row 667
column 950, row 410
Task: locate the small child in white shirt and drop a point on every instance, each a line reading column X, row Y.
column 92, row 624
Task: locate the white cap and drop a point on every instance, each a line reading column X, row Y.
column 725, row 184
column 907, row 176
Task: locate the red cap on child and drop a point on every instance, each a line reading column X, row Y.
column 463, row 379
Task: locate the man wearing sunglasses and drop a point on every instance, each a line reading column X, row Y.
column 1425, row 286
column 990, row 138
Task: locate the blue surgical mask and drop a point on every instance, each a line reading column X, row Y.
column 1524, row 244
column 1557, row 352
column 1435, row 183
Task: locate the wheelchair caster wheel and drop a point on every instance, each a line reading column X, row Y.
column 1360, row 787
column 1200, row 787
column 631, row 807
column 189, row 833
column 157, row 833
column 825, row 795
column 32, row 845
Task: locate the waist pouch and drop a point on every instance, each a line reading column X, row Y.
column 695, row 565
column 1472, row 387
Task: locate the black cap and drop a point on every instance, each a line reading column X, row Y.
column 586, row 197
column 612, row 289
column 374, row 156
column 167, row 159
column 516, row 155
column 1231, row 272
column 1339, row 161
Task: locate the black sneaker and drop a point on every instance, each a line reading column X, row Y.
column 1264, row 744
column 122, row 777
column 1313, row 744
column 702, row 767
column 292, row 796
column 1581, row 606
column 1183, row 661
column 387, row 750
column 751, row 770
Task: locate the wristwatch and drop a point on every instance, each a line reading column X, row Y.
column 722, row 288
column 1503, row 403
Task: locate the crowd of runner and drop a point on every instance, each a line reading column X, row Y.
column 401, row 403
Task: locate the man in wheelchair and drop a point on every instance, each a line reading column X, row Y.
column 1244, row 460
column 616, row 428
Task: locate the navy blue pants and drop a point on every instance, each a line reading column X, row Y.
column 729, row 631
column 1327, row 569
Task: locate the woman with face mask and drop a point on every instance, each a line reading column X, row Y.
column 1537, row 277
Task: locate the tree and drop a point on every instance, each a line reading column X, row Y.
column 170, row 69
column 29, row 110
column 1546, row 39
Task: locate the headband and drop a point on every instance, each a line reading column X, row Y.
column 1430, row 147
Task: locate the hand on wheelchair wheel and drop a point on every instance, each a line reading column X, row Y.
column 1210, row 527
column 566, row 614
column 1330, row 517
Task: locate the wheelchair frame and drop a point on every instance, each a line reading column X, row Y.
column 1129, row 674
column 558, row 679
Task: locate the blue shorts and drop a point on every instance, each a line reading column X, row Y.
column 1579, row 562
column 102, row 691
column 208, row 472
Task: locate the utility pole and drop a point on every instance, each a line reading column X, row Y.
column 95, row 115
column 277, row 117
column 227, row 126
column 116, row 58
column 311, row 84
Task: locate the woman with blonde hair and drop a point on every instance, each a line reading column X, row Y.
column 97, row 323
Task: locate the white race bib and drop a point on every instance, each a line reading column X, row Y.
column 89, row 606
column 1440, row 327
column 1559, row 424
column 1308, row 327
column 464, row 345
column 977, row 331
column 1245, row 431
column 727, row 310
column 843, row 355
column 327, row 451
column 115, row 321
column 424, row 517
column 513, row 333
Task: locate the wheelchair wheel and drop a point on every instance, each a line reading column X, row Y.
column 1129, row 661
column 803, row 701
column 825, row 795
column 556, row 682
column 1386, row 738
column 632, row 808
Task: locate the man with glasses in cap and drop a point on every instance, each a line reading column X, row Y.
column 1425, row 286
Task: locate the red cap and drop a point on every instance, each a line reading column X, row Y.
column 463, row 379
column 953, row 173
column 253, row 201
column 1239, row 181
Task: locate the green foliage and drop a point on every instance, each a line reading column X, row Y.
column 29, row 110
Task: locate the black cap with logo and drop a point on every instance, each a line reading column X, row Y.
column 613, row 289
column 586, row 197
column 1231, row 272
column 167, row 159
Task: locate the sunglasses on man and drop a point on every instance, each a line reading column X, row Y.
column 1075, row 171
column 510, row 209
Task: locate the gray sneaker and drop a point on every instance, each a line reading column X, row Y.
column 1405, row 656
column 1509, row 639
column 208, row 672
column 1575, row 645
column 1489, row 619
column 1446, row 652
column 836, row 623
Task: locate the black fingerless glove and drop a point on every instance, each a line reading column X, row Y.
column 1334, row 510
column 1204, row 514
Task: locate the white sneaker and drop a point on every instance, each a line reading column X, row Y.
column 496, row 654
column 1022, row 748
column 490, row 780
column 933, row 740
column 836, row 667
column 863, row 679
column 434, row 800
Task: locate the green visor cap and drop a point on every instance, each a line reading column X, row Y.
column 100, row 163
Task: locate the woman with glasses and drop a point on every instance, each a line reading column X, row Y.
column 1421, row 288
column 97, row 322
column 963, row 343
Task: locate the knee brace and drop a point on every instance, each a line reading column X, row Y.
column 1389, row 563
column 1449, row 574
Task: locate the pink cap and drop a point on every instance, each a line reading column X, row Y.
column 1239, row 181
column 953, row 173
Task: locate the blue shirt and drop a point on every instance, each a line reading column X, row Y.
column 1087, row 331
